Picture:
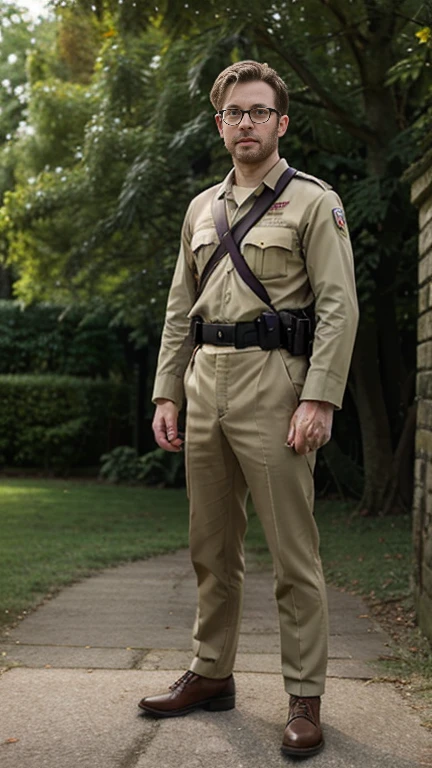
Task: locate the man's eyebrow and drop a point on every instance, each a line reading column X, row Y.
column 253, row 106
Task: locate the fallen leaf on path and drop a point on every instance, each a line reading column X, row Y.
column 11, row 741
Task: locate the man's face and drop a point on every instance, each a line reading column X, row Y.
column 251, row 142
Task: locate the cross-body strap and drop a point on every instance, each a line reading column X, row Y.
column 230, row 239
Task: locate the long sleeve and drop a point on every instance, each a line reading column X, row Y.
column 330, row 268
column 176, row 343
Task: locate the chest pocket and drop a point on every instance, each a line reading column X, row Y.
column 203, row 244
column 269, row 251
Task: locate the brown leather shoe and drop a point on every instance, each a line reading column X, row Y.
column 191, row 692
column 303, row 735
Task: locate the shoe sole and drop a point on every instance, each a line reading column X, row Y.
column 305, row 752
column 211, row 705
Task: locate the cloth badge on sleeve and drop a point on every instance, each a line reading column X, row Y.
column 340, row 221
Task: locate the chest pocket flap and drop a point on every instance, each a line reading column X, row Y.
column 269, row 250
column 203, row 244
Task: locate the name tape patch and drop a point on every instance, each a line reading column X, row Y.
column 279, row 206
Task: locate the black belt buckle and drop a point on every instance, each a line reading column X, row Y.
column 268, row 325
column 245, row 335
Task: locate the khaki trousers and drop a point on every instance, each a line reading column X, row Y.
column 239, row 407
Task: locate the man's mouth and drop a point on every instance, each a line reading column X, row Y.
column 247, row 141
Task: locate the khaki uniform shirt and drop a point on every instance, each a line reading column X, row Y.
column 300, row 250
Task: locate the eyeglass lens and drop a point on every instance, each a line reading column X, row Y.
column 235, row 116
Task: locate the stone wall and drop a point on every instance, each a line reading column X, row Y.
column 420, row 176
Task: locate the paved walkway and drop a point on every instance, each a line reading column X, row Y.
column 80, row 663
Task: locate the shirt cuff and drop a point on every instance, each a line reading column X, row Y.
column 325, row 386
column 170, row 387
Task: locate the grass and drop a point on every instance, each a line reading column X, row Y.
column 56, row 531
column 53, row 532
column 368, row 556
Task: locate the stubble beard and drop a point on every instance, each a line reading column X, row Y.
column 254, row 153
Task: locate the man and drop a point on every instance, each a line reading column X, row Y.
column 256, row 412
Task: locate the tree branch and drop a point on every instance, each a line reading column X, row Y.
column 343, row 118
column 351, row 31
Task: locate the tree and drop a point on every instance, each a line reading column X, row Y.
column 146, row 149
column 340, row 56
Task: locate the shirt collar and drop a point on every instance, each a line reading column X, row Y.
column 270, row 179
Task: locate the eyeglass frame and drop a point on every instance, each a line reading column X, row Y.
column 247, row 112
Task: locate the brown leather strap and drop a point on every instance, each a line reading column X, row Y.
column 230, row 239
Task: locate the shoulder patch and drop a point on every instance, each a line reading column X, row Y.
column 340, row 220
column 313, row 179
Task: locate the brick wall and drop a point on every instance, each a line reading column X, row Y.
column 420, row 176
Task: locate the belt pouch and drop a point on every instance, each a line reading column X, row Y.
column 268, row 330
column 301, row 336
column 196, row 329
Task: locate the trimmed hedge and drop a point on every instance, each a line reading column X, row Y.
column 59, row 422
column 47, row 338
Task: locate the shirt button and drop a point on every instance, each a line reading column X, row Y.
column 227, row 297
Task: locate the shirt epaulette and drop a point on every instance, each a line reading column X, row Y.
column 314, row 179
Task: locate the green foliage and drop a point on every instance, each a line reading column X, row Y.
column 159, row 467
column 162, row 468
column 43, row 338
column 15, row 41
column 58, row 113
column 121, row 465
column 59, row 422
column 120, row 137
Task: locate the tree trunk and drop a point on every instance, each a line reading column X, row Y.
column 374, row 424
column 5, row 283
column 399, row 493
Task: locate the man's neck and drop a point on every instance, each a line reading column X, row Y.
column 252, row 174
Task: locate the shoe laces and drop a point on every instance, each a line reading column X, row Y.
column 183, row 680
column 300, row 707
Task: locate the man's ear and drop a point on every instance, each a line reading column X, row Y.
column 219, row 123
column 283, row 125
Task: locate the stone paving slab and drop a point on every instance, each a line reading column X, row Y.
column 119, row 617
column 91, row 653
column 76, row 719
column 64, row 657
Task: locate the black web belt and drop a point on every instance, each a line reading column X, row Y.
column 239, row 335
column 290, row 329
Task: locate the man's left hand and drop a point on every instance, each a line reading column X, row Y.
column 310, row 426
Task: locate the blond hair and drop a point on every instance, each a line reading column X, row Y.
column 247, row 71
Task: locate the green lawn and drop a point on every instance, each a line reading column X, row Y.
column 55, row 531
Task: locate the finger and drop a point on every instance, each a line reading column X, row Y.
column 291, row 433
column 301, row 444
column 171, row 431
column 160, row 433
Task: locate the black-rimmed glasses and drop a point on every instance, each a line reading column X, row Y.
column 234, row 115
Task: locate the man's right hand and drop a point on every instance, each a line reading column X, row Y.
column 165, row 426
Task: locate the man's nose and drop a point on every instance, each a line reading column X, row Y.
column 246, row 121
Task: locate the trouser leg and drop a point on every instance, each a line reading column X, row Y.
column 262, row 399
column 217, row 496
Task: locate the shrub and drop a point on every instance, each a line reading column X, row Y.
column 163, row 468
column 45, row 338
column 58, row 422
column 155, row 468
column 121, row 465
